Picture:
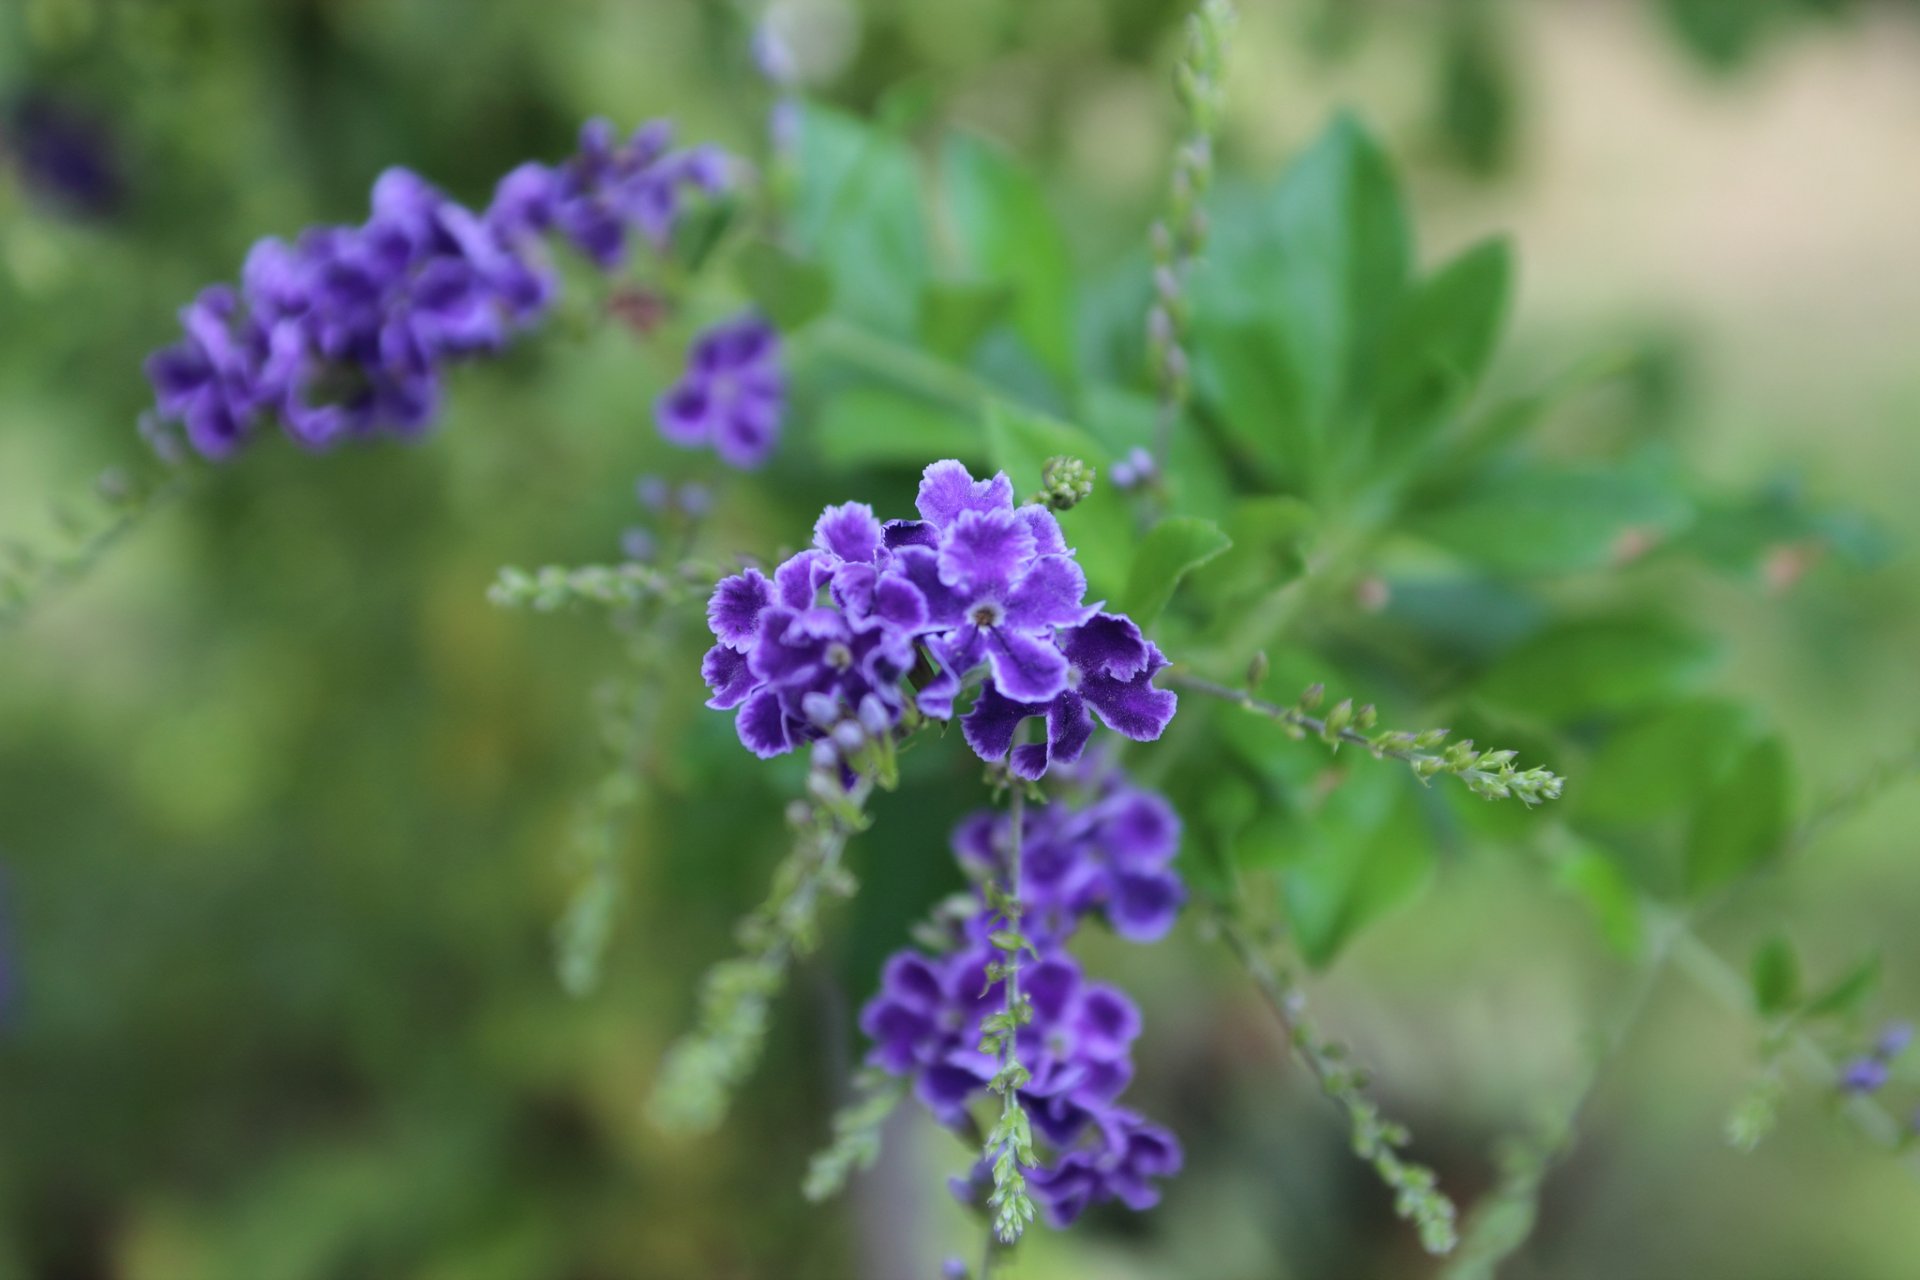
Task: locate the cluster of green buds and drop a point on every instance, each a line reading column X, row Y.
column 1180, row 235
column 861, row 742
column 1489, row 774
column 555, row 587
column 1064, row 483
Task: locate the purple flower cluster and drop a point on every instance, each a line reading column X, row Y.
column 1870, row 1072
column 345, row 332
column 925, row 1022
column 1109, row 853
column 976, row 586
column 732, row 395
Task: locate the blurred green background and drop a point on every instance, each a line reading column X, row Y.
column 285, row 805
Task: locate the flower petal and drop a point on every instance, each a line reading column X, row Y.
column 763, row 726
column 849, row 531
column 727, row 674
column 948, row 488
column 983, row 552
column 734, row 609
column 1049, row 596
column 1025, row 668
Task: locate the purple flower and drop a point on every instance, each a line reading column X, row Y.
column 65, row 156
column 1109, row 672
column 1893, row 1040
column 1109, row 853
column 347, row 331
column 1127, row 1152
column 732, row 395
column 1864, row 1075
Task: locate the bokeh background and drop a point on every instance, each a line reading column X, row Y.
column 285, row 805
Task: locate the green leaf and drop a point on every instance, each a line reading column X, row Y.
column 955, row 315
column 1742, row 821
column 1595, row 878
column 1172, row 549
column 1606, row 666
column 1293, row 295
column 790, row 290
column 1361, row 856
column 1009, row 235
column 1656, row 766
column 1440, row 342
column 1847, row 993
column 1542, row 519
column 1776, row 977
column 858, row 213
column 872, row 426
column 1100, row 529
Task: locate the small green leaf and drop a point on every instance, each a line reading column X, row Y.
column 1100, row 529
column 956, row 314
column 1742, row 821
column 870, row 426
column 1776, row 977
column 1607, row 666
column 1172, row 549
column 858, row 214
column 1847, row 993
column 790, row 290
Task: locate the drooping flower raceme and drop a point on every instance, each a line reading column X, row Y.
column 925, row 1021
column 976, row 587
column 346, row 331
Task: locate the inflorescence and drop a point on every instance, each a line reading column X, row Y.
column 940, row 1013
column 346, row 332
column 976, row 591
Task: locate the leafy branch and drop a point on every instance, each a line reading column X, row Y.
column 554, row 587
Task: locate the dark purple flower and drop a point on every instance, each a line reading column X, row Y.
column 1110, row 670
column 1126, row 1154
column 732, row 396
column 64, row 156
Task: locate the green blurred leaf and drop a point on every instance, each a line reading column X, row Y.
column 1655, row 766
column 1847, row 993
column 1293, row 296
column 1267, row 538
column 790, row 290
column 955, row 315
column 858, row 213
column 1542, row 519
column 1594, row 877
column 1100, row 529
column 1606, row 666
column 872, row 426
column 1009, row 235
column 1742, row 820
column 1172, row 549
column 1440, row 341
column 1365, row 853
column 1776, row 977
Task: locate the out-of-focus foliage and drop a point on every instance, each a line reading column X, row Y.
column 286, row 809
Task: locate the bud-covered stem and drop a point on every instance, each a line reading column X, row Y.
column 87, row 530
column 619, row 586
column 1375, row 1139
column 1009, row 1144
column 1181, row 233
column 1486, row 773
column 701, row 1071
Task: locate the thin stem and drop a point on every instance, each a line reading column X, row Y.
column 1009, row 1147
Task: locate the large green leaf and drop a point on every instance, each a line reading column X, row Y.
column 1542, row 519
column 1100, row 529
column 1439, row 344
column 1009, row 235
column 871, row 426
column 1742, row 820
column 790, row 290
column 1172, row 549
column 1657, row 766
column 858, row 212
column 1597, row 667
column 1588, row 872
